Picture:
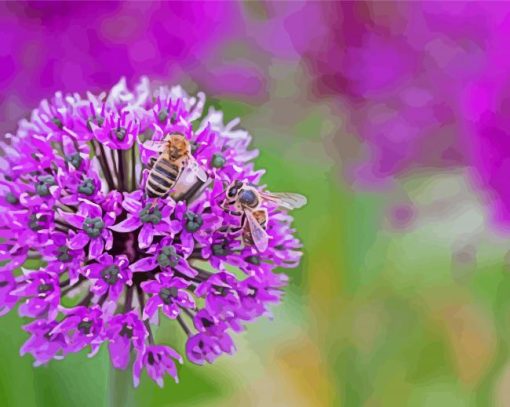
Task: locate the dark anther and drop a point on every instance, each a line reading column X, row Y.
column 163, row 115
column 93, row 227
column 150, row 214
column 97, row 120
column 120, row 133
column 206, row 322
column 11, row 198
column 63, row 254
column 168, row 294
column 34, row 223
column 219, row 249
column 168, row 257
column 3, row 284
column 126, row 331
column 84, row 327
column 74, row 159
column 150, row 358
column 255, row 260
column 44, row 182
column 57, row 122
column 193, row 221
column 44, row 288
column 110, row 275
column 194, row 147
column 217, row 161
column 87, row 187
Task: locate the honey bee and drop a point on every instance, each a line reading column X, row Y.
column 247, row 201
column 174, row 158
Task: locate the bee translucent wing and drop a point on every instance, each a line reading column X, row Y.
column 258, row 234
column 156, row 146
column 197, row 169
column 287, row 200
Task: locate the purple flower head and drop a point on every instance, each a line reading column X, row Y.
column 7, row 284
column 168, row 293
column 157, row 360
column 90, row 227
column 109, row 275
column 43, row 345
column 42, row 291
column 112, row 257
column 152, row 220
column 206, row 347
column 81, row 326
column 125, row 332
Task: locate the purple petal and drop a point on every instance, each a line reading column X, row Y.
column 73, row 219
column 90, row 209
column 119, row 353
column 108, row 237
column 145, row 264
column 96, row 247
column 175, row 227
column 128, row 225
column 171, row 311
column 187, row 242
column 145, row 237
column 79, row 241
column 151, row 286
column 99, row 288
column 131, row 204
column 93, row 270
column 151, row 307
column 185, row 299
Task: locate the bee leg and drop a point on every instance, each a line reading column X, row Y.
column 235, row 213
column 226, row 203
column 241, row 225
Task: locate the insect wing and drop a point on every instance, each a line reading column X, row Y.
column 157, row 146
column 287, row 200
column 197, row 169
column 258, row 234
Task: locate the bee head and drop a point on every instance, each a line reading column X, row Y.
column 248, row 198
column 234, row 188
column 178, row 146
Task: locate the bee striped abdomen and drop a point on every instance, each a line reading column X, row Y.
column 162, row 178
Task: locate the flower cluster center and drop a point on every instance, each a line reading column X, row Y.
column 93, row 226
column 87, row 187
column 110, row 275
column 168, row 257
column 150, row 214
column 193, row 221
column 44, row 182
column 168, row 294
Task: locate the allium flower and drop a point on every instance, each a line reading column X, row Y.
column 106, row 261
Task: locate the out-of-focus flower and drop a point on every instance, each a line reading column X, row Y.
column 401, row 70
column 487, row 131
column 103, row 41
column 73, row 199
